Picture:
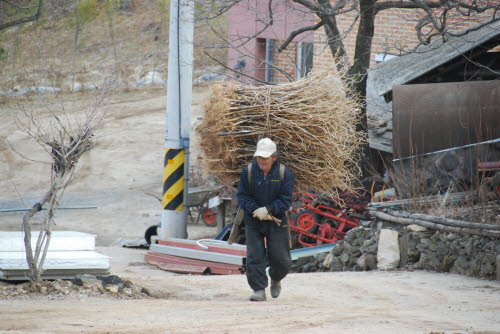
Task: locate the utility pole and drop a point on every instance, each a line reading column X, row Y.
column 178, row 119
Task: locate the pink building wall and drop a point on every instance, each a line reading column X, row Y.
column 394, row 29
column 245, row 25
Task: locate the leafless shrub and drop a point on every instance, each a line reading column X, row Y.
column 413, row 182
column 65, row 136
column 481, row 208
column 410, row 180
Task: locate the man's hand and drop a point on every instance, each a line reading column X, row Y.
column 261, row 213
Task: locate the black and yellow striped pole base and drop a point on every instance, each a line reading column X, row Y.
column 173, row 180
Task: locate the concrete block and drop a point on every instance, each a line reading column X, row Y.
column 388, row 250
column 404, row 245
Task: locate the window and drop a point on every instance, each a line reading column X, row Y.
column 304, row 59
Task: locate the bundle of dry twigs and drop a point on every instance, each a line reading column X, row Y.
column 312, row 120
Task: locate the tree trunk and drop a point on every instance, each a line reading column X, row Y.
column 445, row 221
column 34, row 270
column 359, row 70
column 363, row 45
column 434, row 226
column 333, row 36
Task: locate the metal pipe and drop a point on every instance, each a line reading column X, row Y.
column 198, row 254
column 59, row 208
column 186, row 35
column 449, row 149
column 311, row 251
column 298, row 73
column 267, row 73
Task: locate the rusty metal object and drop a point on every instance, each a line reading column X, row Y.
column 488, row 166
column 182, row 268
column 433, row 117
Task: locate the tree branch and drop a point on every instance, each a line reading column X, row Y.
column 307, row 4
column 298, row 32
column 246, row 39
column 219, row 11
column 17, row 6
column 266, row 25
column 379, row 6
column 24, row 19
column 234, row 71
column 270, row 9
column 473, row 28
column 33, row 269
column 333, row 34
column 248, row 54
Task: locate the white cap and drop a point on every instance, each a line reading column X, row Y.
column 265, row 148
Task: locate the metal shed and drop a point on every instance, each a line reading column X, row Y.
column 464, row 58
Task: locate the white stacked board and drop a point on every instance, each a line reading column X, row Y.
column 70, row 253
column 60, row 241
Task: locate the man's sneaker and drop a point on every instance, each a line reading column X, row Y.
column 275, row 288
column 258, row 296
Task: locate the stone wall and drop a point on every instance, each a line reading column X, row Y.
column 468, row 255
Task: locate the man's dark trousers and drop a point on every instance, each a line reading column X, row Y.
column 276, row 255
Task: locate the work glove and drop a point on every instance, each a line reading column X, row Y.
column 261, row 213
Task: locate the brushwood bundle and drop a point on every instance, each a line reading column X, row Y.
column 313, row 121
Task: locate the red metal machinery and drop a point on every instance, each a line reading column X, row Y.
column 317, row 219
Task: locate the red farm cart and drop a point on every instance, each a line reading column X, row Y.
column 316, row 220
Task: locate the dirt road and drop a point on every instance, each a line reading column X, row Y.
column 350, row 302
column 118, row 176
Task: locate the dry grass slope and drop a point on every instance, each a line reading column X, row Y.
column 93, row 42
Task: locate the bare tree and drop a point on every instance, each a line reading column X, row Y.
column 33, row 8
column 433, row 19
column 65, row 137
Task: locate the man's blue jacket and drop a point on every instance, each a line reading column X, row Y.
column 268, row 191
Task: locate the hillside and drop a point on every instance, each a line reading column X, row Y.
column 125, row 167
column 88, row 41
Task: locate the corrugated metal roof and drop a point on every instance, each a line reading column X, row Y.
column 379, row 121
column 404, row 69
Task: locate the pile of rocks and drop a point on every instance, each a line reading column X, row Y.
column 82, row 285
column 419, row 248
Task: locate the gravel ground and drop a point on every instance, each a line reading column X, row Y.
column 117, row 176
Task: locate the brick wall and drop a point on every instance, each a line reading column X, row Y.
column 285, row 60
column 394, row 33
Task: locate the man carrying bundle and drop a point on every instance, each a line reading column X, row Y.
column 265, row 195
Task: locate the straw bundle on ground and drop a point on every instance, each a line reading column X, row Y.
column 312, row 121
